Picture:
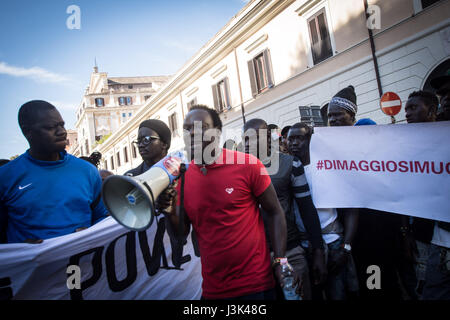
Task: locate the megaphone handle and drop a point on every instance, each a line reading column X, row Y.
column 181, row 218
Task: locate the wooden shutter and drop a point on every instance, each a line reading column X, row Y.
column 320, row 37
column 268, row 68
column 125, row 154
column 175, row 124
column 325, row 48
column 251, row 71
column 227, row 93
column 170, row 124
column 215, row 97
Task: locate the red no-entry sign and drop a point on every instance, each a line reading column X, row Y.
column 390, row 103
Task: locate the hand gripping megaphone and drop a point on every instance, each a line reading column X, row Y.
column 131, row 200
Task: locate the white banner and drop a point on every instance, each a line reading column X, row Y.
column 114, row 263
column 402, row 168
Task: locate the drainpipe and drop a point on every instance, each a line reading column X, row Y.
column 182, row 108
column 240, row 88
column 374, row 57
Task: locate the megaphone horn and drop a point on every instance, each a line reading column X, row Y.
column 131, row 200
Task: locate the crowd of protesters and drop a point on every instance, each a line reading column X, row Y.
column 246, row 216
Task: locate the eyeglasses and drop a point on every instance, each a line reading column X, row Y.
column 145, row 140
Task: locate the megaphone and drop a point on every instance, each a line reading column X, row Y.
column 131, row 200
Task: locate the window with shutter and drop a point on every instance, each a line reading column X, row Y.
column 320, row 37
column 221, row 95
column 173, row 125
column 260, row 71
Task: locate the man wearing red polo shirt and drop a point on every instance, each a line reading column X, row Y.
column 222, row 194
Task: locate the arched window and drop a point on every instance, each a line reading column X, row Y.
column 441, row 70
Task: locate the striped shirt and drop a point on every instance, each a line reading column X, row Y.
column 290, row 182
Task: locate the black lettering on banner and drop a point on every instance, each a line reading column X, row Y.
column 153, row 262
column 5, row 293
column 177, row 252
column 77, row 294
column 130, row 251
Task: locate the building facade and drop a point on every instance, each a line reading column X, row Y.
column 283, row 60
column 108, row 103
column 72, row 140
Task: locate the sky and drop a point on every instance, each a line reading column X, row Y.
column 42, row 59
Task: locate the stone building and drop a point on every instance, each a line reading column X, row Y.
column 282, row 61
column 108, row 103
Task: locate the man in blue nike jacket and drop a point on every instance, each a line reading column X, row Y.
column 45, row 192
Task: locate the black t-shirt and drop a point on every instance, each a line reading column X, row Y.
column 140, row 169
column 288, row 181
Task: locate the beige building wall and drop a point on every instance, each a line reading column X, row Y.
column 409, row 45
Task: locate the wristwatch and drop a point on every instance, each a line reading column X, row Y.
column 277, row 261
column 347, row 247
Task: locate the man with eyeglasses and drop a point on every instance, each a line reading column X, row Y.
column 153, row 141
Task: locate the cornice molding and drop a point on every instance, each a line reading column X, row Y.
column 306, row 6
column 191, row 92
column 218, row 71
column 252, row 46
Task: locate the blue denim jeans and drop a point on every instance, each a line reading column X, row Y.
column 345, row 280
column 437, row 277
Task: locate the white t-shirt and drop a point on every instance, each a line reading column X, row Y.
column 326, row 215
column 441, row 237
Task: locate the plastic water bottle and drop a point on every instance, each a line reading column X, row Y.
column 288, row 281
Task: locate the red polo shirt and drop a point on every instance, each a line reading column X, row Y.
column 225, row 215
